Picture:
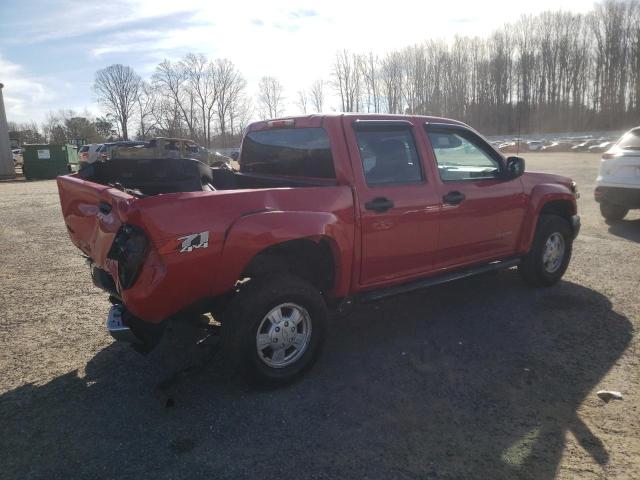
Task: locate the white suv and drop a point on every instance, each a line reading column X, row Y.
column 618, row 182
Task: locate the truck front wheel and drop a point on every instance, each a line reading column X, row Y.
column 550, row 252
column 274, row 328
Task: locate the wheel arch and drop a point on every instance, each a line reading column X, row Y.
column 313, row 245
column 545, row 202
column 310, row 258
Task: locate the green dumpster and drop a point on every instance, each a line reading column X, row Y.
column 48, row 161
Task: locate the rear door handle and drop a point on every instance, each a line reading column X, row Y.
column 379, row 204
column 453, row 198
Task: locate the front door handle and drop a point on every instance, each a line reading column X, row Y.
column 453, row 198
column 379, row 204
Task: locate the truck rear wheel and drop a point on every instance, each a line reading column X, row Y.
column 612, row 212
column 274, row 328
column 550, row 252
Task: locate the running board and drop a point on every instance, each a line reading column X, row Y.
column 432, row 281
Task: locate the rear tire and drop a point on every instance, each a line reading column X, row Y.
column 612, row 212
column 550, row 252
column 274, row 328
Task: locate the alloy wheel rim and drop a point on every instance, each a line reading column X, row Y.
column 283, row 335
column 553, row 252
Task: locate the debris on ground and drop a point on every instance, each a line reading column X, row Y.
column 608, row 395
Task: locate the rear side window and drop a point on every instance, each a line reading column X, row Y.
column 389, row 156
column 299, row 152
column 630, row 140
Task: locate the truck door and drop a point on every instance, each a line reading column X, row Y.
column 482, row 210
column 398, row 203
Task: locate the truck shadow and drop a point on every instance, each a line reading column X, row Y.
column 628, row 229
column 477, row 379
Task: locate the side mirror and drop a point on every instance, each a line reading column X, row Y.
column 515, row 167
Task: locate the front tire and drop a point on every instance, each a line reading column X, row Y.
column 612, row 212
column 550, row 252
column 274, row 329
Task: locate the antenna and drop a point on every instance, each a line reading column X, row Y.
column 518, row 140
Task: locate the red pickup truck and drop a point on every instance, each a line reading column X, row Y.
column 325, row 210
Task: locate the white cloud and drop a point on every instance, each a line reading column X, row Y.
column 22, row 93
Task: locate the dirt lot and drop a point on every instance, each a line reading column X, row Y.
column 484, row 378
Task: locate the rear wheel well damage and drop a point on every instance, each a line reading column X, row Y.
column 309, row 259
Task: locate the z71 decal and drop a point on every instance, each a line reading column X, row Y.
column 193, row 241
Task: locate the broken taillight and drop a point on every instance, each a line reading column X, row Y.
column 129, row 249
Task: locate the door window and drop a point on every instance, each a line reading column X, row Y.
column 389, row 156
column 461, row 159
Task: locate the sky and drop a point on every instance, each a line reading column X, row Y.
column 50, row 50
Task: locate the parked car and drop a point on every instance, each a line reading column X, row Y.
column 534, row 145
column 326, row 210
column 618, row 183
column 600, row 147
column 16, row 153
column 557, row 147
column 511, row 147
column 218, row 160
column 104, row 151
column 584, row 146
column 88, row 154
column 162, row 147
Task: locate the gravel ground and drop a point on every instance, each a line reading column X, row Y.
column 483, row 378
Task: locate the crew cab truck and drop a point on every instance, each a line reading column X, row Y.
column 325, row 210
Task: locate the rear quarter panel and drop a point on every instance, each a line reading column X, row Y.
column 240, row 223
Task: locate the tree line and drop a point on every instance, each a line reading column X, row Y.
column 62, row 127
column 556, row 71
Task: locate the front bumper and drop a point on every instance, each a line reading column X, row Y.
column 575, row 225
column 626, row 197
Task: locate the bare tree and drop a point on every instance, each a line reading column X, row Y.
column 240, row 114
column 370, row 75
column 317, row 95
column 346, row 80
column 230, row 85
column 200, row 75
column 146, row 104
column 170, row 80
column 392, row 80
column 270, row 97
column 302, row 101
column 117, row 88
